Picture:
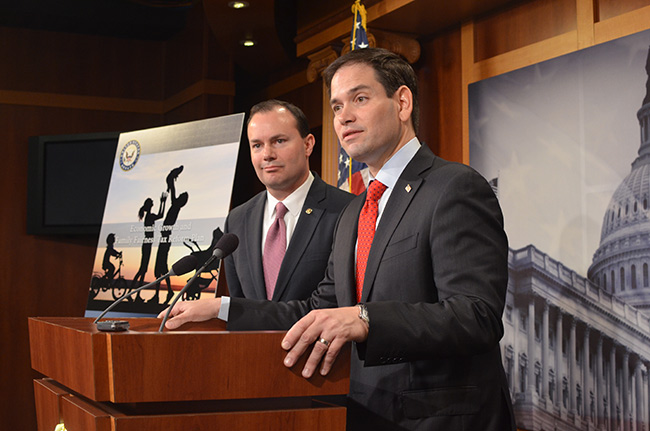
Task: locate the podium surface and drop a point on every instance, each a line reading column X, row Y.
column 201, row 375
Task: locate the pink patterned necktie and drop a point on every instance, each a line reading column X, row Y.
column 366, row 230
column 274, row 249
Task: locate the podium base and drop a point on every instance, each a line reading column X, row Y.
column 56, row 404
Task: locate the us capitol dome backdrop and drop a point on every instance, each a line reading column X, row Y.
column 620, row 264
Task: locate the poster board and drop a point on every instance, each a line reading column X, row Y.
column 169, row 196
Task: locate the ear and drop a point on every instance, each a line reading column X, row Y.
column 309, row 142
column 405, row 103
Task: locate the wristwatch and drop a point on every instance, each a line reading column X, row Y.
column 363, row 314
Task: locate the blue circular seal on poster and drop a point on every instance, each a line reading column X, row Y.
column 129, row 155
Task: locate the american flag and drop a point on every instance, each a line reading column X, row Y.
column 353, row 175
column 359, row 37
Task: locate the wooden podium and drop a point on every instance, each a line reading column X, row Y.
column 201, row 377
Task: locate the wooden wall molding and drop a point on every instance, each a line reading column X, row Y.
column 622, row 25
column 204, row 87
column 318, row 62
column 287, row 85
column 98, row 103
column 585, row 23
column 406, row 46
column 467, row 71
column 330, row 143
column 525, row 56
column 87, row 103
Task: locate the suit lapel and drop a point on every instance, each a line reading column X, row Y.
column 312, row 212
column 254, row 251
column 401, row 197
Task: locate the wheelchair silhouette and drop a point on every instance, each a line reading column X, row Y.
column 209, row 274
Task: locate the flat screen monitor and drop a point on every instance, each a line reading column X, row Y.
column 67, row 184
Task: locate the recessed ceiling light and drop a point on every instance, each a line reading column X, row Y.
column 248, row 42
column 238, row 4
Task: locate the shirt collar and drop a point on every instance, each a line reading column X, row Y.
column 393, row 168
column 294, row 201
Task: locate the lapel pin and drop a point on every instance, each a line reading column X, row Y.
column 308, row 210
column 408, row 188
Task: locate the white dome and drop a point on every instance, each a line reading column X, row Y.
column 621, row 262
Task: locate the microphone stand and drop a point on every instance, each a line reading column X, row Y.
column 127, row 294
column 226, row 245
column 184, row 289
column 183, row 266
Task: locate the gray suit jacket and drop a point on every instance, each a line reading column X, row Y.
column 435, row 289
column 304, row 263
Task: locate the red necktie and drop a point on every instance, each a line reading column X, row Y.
column 366, row 230
column 274, row 249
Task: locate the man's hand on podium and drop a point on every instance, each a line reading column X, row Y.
column 329, row 329
column 192, row 311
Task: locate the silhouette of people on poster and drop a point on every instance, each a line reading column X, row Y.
column 172, row 177
column 107, row 265
column 177, row 202
column 150, row 218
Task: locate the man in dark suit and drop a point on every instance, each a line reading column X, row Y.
column 425, row 314
column 280, row 144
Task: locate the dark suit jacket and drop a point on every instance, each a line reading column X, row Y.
column 435, row 289
column 304, row 263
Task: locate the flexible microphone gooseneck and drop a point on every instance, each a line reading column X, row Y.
column 182, row 266
column 226, row 245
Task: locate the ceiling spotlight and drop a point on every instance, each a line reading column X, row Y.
column 238, row 4
column 248, row 42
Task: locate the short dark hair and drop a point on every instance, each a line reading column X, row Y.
column 391, row 70
column 269, row 105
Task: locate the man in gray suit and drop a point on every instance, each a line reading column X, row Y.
column 280, row 146
column 425, row 314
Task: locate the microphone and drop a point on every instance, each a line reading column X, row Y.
column 182, row 266
column 225, row 246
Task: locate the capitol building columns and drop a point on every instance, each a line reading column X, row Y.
column 545, row 358
column 639, row 415
column 532, row 383
column 571, row 358
column 626, row 390
column 600, row 384
column 587, row 395
column 571, row 368
column 558, row 360
column 613, row 398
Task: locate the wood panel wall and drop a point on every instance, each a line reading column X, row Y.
column 57, row 83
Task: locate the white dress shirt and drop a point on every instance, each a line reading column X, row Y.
column 294, row 203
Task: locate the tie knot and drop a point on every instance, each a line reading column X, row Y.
column 280, row 210
column 375, row 190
